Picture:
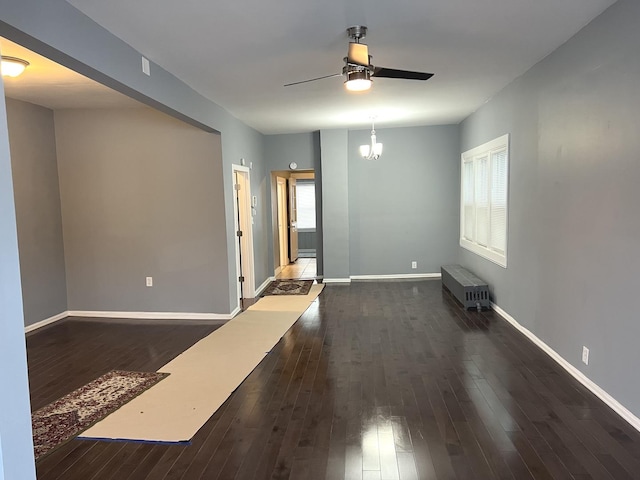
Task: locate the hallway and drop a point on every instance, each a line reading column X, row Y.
column 303, row 269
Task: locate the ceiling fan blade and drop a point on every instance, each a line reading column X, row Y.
column 358, row 54
column 314, row 79
column 404, row 74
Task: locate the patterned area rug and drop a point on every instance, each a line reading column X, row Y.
column 288, row 287
column 65, row 418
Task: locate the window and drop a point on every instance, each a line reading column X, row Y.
column 306, row 204
column 483, row 203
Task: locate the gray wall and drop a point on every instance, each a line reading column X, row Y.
column 37, row 198
column 573, row 221
column 238, row 142
column 65, row 35
column 56, row 29
column 319, row 207
column 260, row 187
column 142, row 195
column 280, row 151
column 307, row 240
column 16, row 455
column 335, row 203
column 403, row 207
column 386, row 213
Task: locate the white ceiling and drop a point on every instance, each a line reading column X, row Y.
column 241, row 53
column 51, row 85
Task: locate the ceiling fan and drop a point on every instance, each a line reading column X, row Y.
column 358, row 69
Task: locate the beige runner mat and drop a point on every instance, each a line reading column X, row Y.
column 204, row 376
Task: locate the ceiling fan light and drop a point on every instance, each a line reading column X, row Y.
column 12, row 66
column 359, row 85
column 358, row 80
column 364, row 151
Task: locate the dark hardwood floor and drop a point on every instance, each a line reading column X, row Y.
column 376, row 381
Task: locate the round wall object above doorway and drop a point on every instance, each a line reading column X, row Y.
column 293, row 165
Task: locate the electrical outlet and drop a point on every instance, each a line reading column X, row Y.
column 149, row 281
column 585, row 355
column 414, row 265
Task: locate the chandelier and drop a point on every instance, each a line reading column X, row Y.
column 373, row 151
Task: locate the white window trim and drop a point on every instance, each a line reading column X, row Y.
column 486, row 149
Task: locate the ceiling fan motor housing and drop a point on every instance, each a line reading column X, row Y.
column 357, row 32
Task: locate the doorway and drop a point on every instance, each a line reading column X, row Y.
column 243, row 221
column 295, row 234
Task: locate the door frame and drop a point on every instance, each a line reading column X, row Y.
column 282, row 224
column 292, row 218
column 246, row 226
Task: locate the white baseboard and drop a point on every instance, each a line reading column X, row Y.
column 256, row 294
column 400, row 276
column 616, row 406
column 45, row 322
column 154, row 315
column 133, row 315
column 397, row 276
column 264, row 285
column 336, row 280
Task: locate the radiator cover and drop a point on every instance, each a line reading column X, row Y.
column 466, row 287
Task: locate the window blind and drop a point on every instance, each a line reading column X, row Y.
column 306, row 204
column 484, row 198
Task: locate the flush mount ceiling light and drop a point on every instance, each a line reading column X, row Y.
column 373, row 151
column 12, row 66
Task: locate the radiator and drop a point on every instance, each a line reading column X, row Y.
column 468, row 289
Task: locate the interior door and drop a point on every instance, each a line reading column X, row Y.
column 293, row 221
column 237, row 185
column 244, row 233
